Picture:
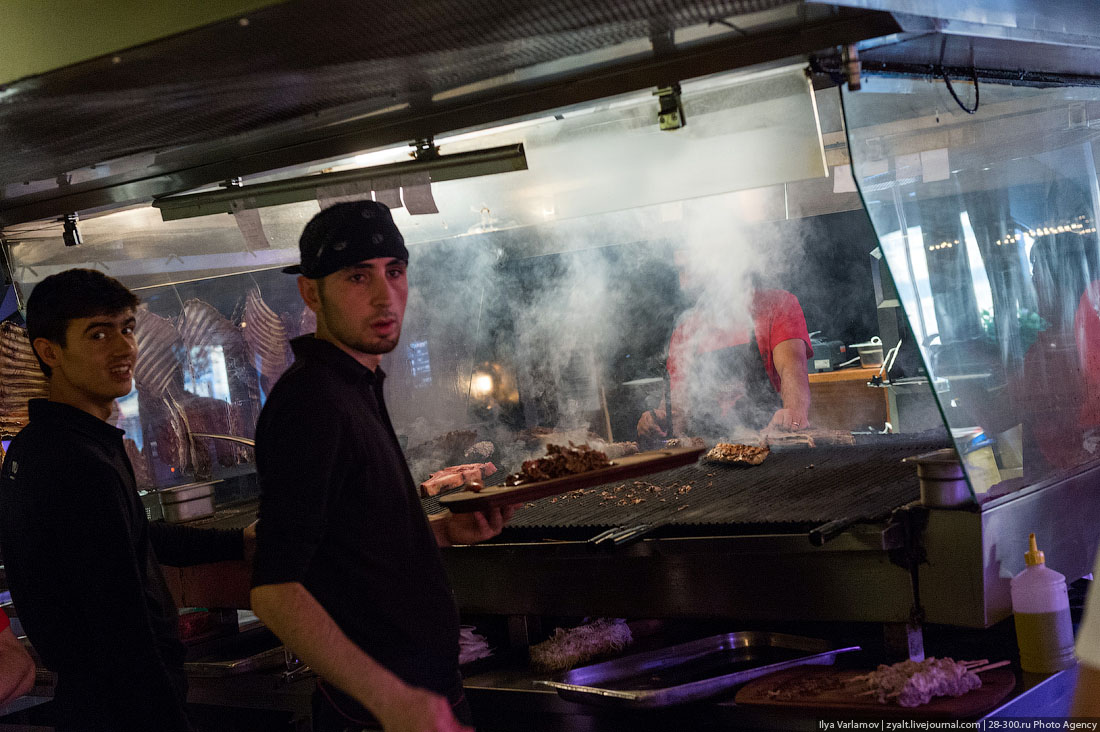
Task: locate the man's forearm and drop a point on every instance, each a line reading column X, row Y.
column 294, row 615
column 795, row 390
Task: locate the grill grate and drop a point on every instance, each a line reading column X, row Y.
column 792, row 491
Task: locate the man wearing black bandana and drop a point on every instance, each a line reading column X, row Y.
column 347, row 569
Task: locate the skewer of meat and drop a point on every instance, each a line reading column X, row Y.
column 913, row 683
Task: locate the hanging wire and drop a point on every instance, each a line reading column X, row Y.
column 951, row 89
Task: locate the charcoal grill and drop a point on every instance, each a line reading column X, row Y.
column 734, row 545
column 793, row 491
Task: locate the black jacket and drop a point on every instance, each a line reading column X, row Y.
column 340, row 514
column 83, row 566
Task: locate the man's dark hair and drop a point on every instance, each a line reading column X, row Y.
column 72, row 294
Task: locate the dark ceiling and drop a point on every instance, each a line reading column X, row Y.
column 299, row 82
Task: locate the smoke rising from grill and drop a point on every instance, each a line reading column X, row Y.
column 580, row 305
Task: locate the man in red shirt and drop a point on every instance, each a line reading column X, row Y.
column 735, row 376
column 16, row 666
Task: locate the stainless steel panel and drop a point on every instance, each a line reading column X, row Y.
column 972, row 555
column 763, row 577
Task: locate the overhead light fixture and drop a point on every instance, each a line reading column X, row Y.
column 505, row 159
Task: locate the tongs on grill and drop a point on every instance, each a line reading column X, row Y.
column 620, row 535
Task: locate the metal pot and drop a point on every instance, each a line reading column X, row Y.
column 870, row 353
column 188, row 502
column 942, row 479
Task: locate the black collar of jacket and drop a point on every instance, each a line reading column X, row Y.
column 65, row 416
column 311, row 348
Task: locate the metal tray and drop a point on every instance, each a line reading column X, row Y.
column 691, row 671
column 255, row 650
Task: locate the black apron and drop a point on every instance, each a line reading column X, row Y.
column 735, row 366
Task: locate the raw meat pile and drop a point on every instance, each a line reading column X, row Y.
column 914, row 683
column 457, row 476
column 559, row 462
column 568, row 648
column 471, row 645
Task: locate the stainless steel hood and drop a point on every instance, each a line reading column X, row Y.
column 299, row 82
column 310, row 81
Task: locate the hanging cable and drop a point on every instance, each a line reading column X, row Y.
column 951, row 89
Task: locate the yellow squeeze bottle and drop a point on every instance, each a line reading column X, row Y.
column 1041, row 606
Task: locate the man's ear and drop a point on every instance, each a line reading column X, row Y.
column 48, row 351
column 307, row 288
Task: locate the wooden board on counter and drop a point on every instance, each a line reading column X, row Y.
column 841, row 400
column 846, row 700
column 630, row 466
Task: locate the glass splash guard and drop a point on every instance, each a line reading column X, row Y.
column 987, row 221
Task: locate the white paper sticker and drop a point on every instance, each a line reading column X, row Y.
column 343, row 192
column 248, row 221
column 843, row 182
column 387, row 191
column 416, row 192
column 935, row 165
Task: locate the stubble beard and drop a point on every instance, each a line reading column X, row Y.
column 350, row 337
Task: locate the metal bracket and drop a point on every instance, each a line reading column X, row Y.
column 670, row 115
column 425, row 148
column 70, row 234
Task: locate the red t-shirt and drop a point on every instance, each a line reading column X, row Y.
column 1087, row 328
column 1059, row 389
column 4, row 623
column 776, row 316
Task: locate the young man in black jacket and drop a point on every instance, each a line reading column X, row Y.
column 348, row 571
column 82, row 561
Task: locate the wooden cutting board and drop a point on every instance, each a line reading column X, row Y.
column 844, row 701
column 631, row 466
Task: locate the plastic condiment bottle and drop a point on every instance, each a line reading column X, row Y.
column 1040, row 603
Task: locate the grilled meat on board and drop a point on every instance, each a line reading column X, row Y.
column 559, row 462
